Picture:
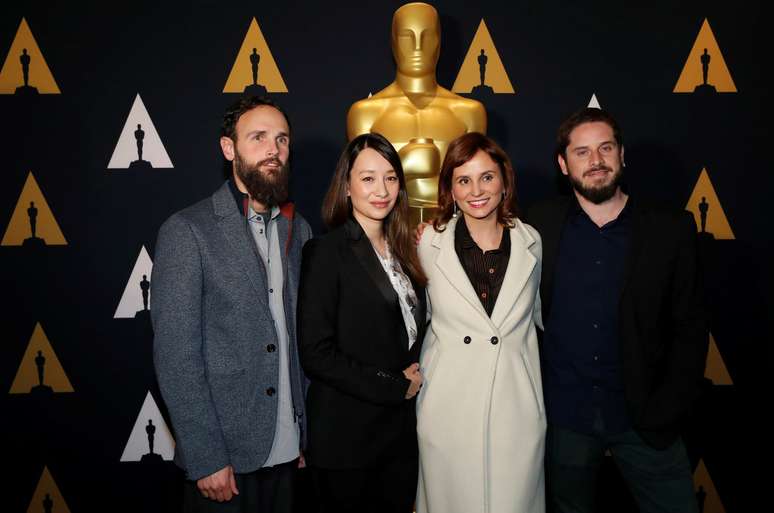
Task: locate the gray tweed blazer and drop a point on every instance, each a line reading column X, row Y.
column 212, row 332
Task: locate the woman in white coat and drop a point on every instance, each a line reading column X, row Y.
column 480, row 416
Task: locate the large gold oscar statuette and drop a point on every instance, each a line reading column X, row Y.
column 418, row 116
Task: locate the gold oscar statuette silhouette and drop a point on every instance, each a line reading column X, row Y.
column 418, row 116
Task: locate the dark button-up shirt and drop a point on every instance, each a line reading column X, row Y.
column 485, row 269
column 581, row 364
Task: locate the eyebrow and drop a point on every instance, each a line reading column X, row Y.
column 600, row 144
column 260, row 132
column 361, row 171
column 468, row 175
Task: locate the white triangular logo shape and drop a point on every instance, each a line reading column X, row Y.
column 149, row 426
column 139, row 145
column 132, row 300
column 594, row 103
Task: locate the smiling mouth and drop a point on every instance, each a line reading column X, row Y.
column 478, row 203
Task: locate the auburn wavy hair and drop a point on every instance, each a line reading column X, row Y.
column 461, row 150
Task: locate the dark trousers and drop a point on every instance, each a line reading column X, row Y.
column 660, row 480
column 388, row 488
column 267, row 490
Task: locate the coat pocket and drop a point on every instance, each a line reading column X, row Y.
column 229, row 396
column 533, row 382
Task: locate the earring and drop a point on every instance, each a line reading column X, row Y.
column 454, row 212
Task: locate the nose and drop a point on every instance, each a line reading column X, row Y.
column 596, row 157
column 476, row 189
column 381, row 189
column 272, row 149
column 417, row 42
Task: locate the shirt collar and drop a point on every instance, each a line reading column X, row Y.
column 576, row 213
column 240, row 198
column 627, row 210
column 252, row 214
column 462, row 234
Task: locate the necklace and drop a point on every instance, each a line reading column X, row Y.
column 381, row 247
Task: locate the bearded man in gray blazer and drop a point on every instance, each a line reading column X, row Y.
column 224, row 290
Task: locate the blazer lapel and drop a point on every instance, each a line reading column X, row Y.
column 420, row 317
column 551, row 233
column 520, row 266
column 234, row 227
column 367, row 258
column 449, row 264
column 420, row 312
column 283, row 229
column 635, row 245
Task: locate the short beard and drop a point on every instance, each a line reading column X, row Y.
column 601, row 194
column 269, row 189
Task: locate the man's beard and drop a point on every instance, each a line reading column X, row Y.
column 597, row 193
column 268, row 188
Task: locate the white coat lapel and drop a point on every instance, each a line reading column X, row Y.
column 449, row 264
column 520, row 265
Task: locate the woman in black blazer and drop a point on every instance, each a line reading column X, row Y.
column 361, row 323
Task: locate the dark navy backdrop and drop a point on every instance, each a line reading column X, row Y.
column 177, row 56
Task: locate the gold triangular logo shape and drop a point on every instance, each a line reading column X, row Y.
column 25, row 70
column 482, row 67
column 707, row 210
column 32, row 222
column 254, row 69
column 716, row 368
column 706, row 493
column 40, row 371
column 47, row 497
column 705, row 69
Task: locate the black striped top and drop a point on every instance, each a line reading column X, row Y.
column 485, row 269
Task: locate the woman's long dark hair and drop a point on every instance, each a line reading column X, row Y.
column 461, row 150
column 337, row 208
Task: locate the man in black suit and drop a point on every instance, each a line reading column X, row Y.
column 626, row 336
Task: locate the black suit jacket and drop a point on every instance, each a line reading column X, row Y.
column 663, row 325
column 354, row 347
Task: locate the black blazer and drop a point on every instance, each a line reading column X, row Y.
column 663, row 325
column 354, row 347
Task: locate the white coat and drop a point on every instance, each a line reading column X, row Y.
column 480, row 414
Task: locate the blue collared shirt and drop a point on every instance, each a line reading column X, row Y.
column 286, row 435
column 581, row 363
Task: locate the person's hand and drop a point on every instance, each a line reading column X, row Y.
column 420, row 229
column 220, row 486
column 412, row 374
column 301, row 460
